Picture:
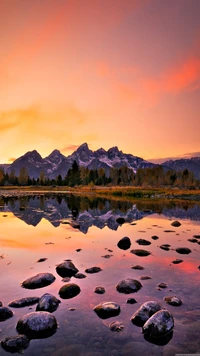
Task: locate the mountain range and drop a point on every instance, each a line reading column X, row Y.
column 56, row 163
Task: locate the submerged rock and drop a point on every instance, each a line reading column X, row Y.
column 66, row 269
column 140, row 252
column 39, row 281
column 124, row 243
column 177, row 261
column 5, row 313
column 37, row 324
column 175, row 301
column 99, row 290
column 131, row 301
column 162, row 285
column 196, row 236
column 137, row 267
column 143, row 242
column 42, row 259
column 146, row 310
column 158, row 325
column 23, row 302
column 93, row 270
column 116, row 326
column 15, row 344
column 120, row 221
column 75, row 225
column 80, row 275
column 128, row 286
column 183, row 250
column 193, row 240
column 165, row 247
column 154, row 237
column 48, row 303
column 69, row 290
column 144, row 278
column 176, row 223
column 107, row 310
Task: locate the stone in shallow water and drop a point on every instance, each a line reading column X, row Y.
column 146, row 310
column 158, row 325
column 120, row 221
column 124, row 243
column 99, row 290
column 137, row 267
column 175, row 301
column 23, row 302
column 37, row 324
column 196, row 236
column 48, row 303
column 177, row 261
column 176, row 223
column 42, row 259
column 15, row 344
column 154, row 237
column 131, row 301
column 143, row 242
column 5, row 313
column 1, row 304
column 128, row 286
column 116, row 326
column 144, row 278
column 69, row 290
column 80, row 275
column 183, row 250
column 193, row 240
column 107, row 310
column 165, row 247
column 93, row 270
column 140, row 252
column 162, row 285
column 66, row 269
column 39, row 281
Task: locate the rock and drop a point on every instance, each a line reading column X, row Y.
column 23, row 302
column 169, row 231
column 120, row 221
column 193, row 240
column 66, row 279
column 107, row 256
column 162, row 285
column 176, row 223
column 177, row 261
column 143, row 242
column 137, row 267
column 78, row 249
column 5, row 313
column 140, row 252
column 165, row 247
column 128, row 286
column 158, row 325
column 42, row 259
column 116, row 326
column 99, row 290
column 124, row 243
column 37, row 324
column 107, row 310
column 155, row 237
column 75, row 225
column 144, row 278
column 146, row 310
column 39, row 281
column 69, row 290
column 66, row 269
column 131, row 301
column 48, row 303
column 175, row 301
column 15, row 344
column 80, row 275
column 196, row 236
column 183, row 250
column 93, row 270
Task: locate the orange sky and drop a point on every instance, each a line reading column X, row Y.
column 117, row 72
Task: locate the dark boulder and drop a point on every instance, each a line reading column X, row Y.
column 93, row 270
column 23, row 302
column 37, row 325
column 48, row 303
column 124, row 243
column 120, row 221
column 15, row 344
column 183, row 250
column 66, row 269
column 146, row 310
column 140, row 252
column 158, row 325
column 143, row 242
column 128, row 286
column 5, row 313
column 176, row 223
column 99, row 290
column 39, row 281
column 69, row 290
column 107, row 310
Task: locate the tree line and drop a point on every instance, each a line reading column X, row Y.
column 78, row 175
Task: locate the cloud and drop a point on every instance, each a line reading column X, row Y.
column 182, row 156
column 70, row 148
column 10, row 160
column 12, row 118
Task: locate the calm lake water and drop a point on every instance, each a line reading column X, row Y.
column 39, row 227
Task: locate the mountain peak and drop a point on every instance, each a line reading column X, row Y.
column 55, row 153
column 33, row 153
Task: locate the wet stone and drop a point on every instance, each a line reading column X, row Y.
column 80, row 275
column 120, row 221
column 66, row 269
column 140, row 252
column 99, row 290
column 183, row 250
column 196, row 236
column 78, row 249
column 93, row 270
column 124, row 243
column 162, row 285
column 177, row 261
column 5, row 313
column 193, row 240
column 107, row 310
column 39, row 281
column 131, row 301
column 42, row 259
column 143, row 242
column 165, row 247
column 137, row 267
column 175, row 301
column 116, row 326
column 69, row 290
column 37, row 324
column 158, row 325
column 146, row 310
column 48, row 302
column 15, row 344
column 154, row 237
column 144, row 278
column 66, row 279
column 128, row 286
column 176, row 223
column 1, row 304
column 107, row 256
column 169, row 231
column 23, row 302
column 75, row 225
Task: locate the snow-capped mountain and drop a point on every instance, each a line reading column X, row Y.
column 192, row 164
column 56, row 163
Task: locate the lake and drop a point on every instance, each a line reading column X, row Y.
column 37, row 227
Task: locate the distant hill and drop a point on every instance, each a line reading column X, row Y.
column 192, row 164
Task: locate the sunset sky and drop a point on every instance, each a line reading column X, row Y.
column 120, row 73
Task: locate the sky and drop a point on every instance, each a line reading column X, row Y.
column 120, row 73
